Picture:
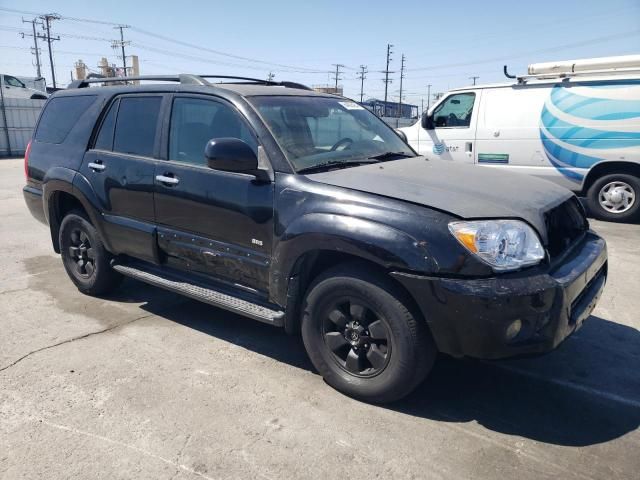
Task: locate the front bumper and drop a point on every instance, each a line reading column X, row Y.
column 471, row 317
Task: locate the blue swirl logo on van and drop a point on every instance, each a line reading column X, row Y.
column 579, row 127
column 438, row 148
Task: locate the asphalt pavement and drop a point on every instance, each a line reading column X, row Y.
column 145, row 384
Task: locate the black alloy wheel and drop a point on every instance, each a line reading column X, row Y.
column 357, row 337
column 81, row 253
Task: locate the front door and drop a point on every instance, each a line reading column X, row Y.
column 120, row 168
column 453, row 134
column 213, row 222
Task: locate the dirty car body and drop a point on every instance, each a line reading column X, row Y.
column 319, row 197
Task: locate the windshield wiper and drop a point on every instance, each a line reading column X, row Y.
column 336, row 164
column 390, row 156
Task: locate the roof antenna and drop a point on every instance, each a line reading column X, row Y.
column 506, row 73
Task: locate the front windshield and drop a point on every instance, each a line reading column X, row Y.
column 324, row 131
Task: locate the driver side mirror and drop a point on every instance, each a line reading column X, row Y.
column 232, row 155
column 427, row 122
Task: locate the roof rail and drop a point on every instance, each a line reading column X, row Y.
column 183, row 78
column 260, row 81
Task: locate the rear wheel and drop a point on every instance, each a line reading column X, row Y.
column 615, row 198
column 362, row 337
column 84, row 257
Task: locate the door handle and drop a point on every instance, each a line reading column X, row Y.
column 468, row 147
column 96, row 167
column 167, row 180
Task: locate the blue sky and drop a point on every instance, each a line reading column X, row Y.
column 444, row 42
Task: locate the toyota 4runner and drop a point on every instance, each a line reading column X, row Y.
column 305, row 211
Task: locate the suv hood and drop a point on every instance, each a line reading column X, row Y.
column 466, row 191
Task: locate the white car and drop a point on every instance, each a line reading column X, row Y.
column 15, row 88
column 575, row 123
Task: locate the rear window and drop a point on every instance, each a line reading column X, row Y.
column 136, row 125
column 59, row 117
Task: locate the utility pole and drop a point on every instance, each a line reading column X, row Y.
column 337, row 74
column 386, row 77
column 270, row 77
column 428, row 96
column 474, row 78
column 362, row 76
column 35, row 48
column 46, row 20
column 401, row 78
column 121, row 44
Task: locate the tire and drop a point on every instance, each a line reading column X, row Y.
column 389, row 350
column 615, row 198
column 84, row 257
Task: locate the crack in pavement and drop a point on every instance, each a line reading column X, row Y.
column 73, row 339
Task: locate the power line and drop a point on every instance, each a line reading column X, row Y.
column 387, row 80
column 336, row 76
column 115, row 44
column 401, row 78
column 361, row 76
column 35, row 49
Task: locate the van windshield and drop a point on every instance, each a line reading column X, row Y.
column 319, row 132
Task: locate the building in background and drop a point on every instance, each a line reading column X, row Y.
column 327, row 89
column 391, row 109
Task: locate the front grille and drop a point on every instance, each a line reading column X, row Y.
column 565, row 223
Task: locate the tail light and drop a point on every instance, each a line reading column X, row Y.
column 26, row 160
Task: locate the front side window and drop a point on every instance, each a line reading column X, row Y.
column 195, row 121
column 454, row 111
column 13, row 81
column 135, row 131
column 328, row 131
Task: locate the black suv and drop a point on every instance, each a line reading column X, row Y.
column 306, row 211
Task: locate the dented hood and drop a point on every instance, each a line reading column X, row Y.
column 466, row 191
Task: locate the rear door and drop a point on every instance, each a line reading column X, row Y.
column 453, row 136
column 213, row 222
column 120, row 167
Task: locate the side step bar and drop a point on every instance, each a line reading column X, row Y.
column 205, row 294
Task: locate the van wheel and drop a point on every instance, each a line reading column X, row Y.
column 362, row 338
column 615, row 198
column 84, row 257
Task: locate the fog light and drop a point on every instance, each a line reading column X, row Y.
column 513, row 329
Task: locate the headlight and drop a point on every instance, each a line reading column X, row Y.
column 503, row 244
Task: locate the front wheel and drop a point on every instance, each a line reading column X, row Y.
column 362, row 337
column 615, row 198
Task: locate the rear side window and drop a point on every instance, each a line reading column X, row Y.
column 104, row 141
column 136, row 125
column 59, row 117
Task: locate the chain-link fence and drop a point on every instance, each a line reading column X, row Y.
column 18, row 118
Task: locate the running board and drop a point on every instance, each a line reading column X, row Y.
column 205, row 294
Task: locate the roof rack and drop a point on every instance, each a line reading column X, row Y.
column 185, row 79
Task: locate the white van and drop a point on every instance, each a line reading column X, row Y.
column 576, row 123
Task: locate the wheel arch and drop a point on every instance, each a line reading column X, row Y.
column 606, row 168
column 61, row 195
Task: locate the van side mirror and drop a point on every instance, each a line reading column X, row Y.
column 230, row 155
column 427, row 122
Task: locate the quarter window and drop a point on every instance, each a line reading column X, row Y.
column 196, row 121
column 135, row 131
column 455, row 111
column 104, row 141
column 60, row 116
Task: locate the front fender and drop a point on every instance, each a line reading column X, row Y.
column 373, row 241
